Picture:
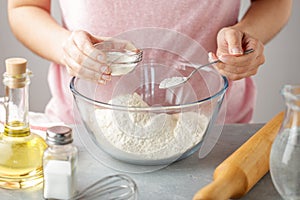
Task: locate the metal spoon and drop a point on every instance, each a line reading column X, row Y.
column 179, row 80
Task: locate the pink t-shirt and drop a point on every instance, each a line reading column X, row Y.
column 198, row 19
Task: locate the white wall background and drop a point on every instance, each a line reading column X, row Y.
column 281, row 66
column 10, row 47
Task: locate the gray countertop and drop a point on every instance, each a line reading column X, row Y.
column 178, row 181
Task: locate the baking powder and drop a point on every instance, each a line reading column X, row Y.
column 171, row 82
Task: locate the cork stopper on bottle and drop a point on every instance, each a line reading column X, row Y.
column 16, row 70
column 16, row 66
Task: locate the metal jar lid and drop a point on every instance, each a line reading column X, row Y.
column 59, row 135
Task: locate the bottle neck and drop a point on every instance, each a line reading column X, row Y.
column 292, row 118
column 17, row 105
column 291, row 96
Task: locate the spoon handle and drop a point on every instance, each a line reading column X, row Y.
column 216, row 61
column 245, row 53
column 176, row 81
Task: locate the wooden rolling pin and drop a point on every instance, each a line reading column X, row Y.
column 236, row 175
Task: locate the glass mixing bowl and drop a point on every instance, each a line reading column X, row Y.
column 134, row 121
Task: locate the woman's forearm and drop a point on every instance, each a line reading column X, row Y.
column 33, row 25
column 265, row 18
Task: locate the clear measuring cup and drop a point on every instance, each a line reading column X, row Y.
column 285, row 152
column 121, row 56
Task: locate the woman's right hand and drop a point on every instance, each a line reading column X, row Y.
column 83, row 60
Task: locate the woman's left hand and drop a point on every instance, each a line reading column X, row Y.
column 231, row 45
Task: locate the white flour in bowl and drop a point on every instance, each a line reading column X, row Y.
column 150, row 135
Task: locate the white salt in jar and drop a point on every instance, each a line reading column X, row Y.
column 59, row 163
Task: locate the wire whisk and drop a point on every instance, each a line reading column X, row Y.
column 113, row 187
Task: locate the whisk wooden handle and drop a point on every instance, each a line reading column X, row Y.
column 235, row 176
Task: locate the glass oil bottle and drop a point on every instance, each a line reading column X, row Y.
column 21, row 151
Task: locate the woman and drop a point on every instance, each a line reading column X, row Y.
column 213, row 24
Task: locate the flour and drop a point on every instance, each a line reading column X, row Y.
column 150, row 135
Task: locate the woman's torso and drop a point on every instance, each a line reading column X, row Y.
column 197, row 19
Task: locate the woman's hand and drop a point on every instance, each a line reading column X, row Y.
column 83, row 60
column 231, row 45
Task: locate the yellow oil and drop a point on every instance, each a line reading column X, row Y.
column 21, row 155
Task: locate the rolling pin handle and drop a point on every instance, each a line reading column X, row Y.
column 229, row 182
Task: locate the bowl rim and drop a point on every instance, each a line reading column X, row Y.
column 140, row 109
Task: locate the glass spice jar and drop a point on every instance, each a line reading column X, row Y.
column 60, row 161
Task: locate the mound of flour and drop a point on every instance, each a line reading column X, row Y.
column 150, row 135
